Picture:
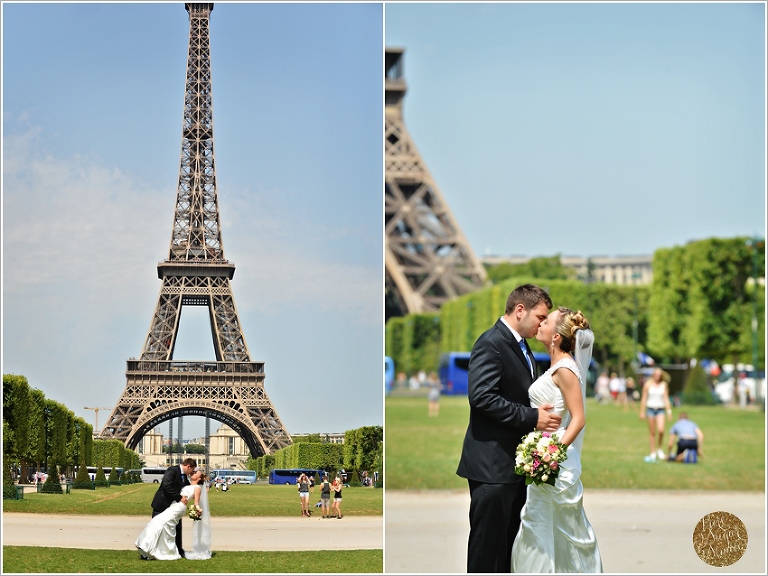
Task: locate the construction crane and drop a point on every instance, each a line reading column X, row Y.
column 96, row 414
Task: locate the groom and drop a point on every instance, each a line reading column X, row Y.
column 501, row 369
column 174, row 479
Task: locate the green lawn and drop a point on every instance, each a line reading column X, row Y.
column 25, row 559
column 423, row 452
column 240, row 500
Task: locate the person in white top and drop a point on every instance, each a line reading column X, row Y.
column 654, row 404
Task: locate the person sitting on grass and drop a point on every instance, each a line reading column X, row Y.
column 689, row 440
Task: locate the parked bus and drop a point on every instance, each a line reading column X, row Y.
column 290, row 476
column 234, row 476
column 454, row 371
column 389, row 374
column 107, row 471
column 152, row 475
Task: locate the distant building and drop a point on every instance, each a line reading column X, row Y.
column 227, row 449
column 622, row 270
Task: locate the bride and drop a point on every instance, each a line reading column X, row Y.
column 158, row 539
column 555, row 535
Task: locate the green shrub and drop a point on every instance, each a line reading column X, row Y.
column 52, row 483
column 82, row 480
column 113, row 479
column 101, row 478
column 9, row 490
column 696, row 391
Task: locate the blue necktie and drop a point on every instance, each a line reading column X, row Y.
column 524, row 348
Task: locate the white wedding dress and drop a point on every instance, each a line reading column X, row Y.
column 158, row 539
column 555, row 535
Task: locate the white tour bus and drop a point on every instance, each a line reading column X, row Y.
column 236, row 476
column 152, row 475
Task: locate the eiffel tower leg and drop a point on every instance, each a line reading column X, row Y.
column 161, row 338
column 228, row 338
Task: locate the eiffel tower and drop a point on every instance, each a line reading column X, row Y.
column 195, row 273
column 427, row 259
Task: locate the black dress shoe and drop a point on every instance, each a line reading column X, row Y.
column 182, row 554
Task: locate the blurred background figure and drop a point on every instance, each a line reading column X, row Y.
column 654, row 404
column 602, row 388
column 433, row 396
column 689, row 440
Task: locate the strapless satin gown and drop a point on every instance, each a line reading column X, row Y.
column 158, row 539
column 555, row 535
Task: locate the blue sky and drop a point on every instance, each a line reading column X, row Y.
column 588, row 129
column 92, row 113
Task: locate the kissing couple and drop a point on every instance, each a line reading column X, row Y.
column 161, row 538
column 514, row 527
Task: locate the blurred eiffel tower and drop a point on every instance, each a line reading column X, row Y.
column 195, row 273
column 427, row 260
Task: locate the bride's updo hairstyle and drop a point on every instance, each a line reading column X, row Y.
column 570, row 323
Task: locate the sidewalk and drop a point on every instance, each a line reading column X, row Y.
column 637, row 531
column 228, row 533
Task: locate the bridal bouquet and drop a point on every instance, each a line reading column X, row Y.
column 195, row 512
column 538, row 457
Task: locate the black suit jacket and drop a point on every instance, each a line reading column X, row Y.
column 169, row 490
column 500, row 410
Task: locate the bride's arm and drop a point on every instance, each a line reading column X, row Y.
column 198, row 489
column 570, row 387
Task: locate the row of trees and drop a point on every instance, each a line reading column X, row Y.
column 43, row 434
column 362, row 450
column 700, row 305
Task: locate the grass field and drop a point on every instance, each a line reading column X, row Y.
column 423, row 452
column 240, row 500
column 25, row 559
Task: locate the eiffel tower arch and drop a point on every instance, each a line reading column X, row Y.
column 427, row 259
column 196, row 273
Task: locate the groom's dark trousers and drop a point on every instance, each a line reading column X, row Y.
column 500, row 415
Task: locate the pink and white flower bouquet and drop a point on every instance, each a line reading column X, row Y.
column 538, row 457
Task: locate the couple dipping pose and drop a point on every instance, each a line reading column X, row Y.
column 161, row 539
column 537, row 528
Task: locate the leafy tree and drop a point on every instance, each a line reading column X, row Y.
column 546, row 268
column 37, row 438
column 113, row 478
column 306, row 438
column 701, row 302
column 195, row 449
column 355, row 479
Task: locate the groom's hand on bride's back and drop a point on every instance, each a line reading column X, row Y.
column 548, row 422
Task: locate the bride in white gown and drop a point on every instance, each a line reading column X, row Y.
column 158, row 539
column 555, row 535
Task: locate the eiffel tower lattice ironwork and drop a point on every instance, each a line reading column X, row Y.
column 195, row 273
column 427, row 259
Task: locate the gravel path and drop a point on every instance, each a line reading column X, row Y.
column 233, row 533
column 637, row 531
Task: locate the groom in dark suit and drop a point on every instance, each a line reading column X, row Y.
column 174, row 479
column 501, row 369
